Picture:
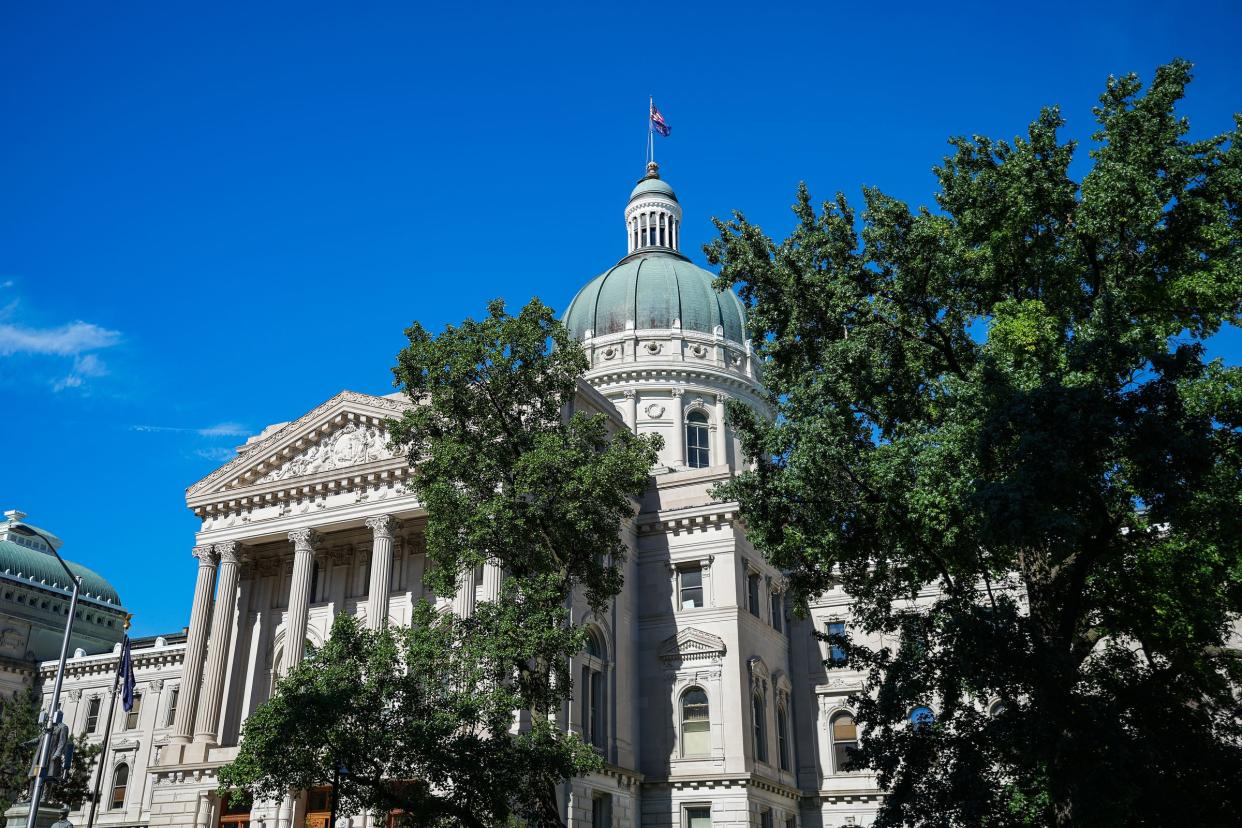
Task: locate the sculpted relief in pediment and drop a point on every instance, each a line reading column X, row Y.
column 352, row 445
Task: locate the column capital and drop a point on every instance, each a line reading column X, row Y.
column 629, row 393
column 229, row 552
column 678, row 392
column 383, row 526
column 206, row 555
column 305, row 540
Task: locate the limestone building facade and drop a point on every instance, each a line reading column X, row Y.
column 710, row 705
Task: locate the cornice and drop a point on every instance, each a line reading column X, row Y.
column 694, row 518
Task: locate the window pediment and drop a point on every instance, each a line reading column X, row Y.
column 691, row 645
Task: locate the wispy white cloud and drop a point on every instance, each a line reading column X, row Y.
column 65, row 340
column 217, row 430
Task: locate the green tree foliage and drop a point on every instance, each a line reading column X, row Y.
column 19, row 724
column 423, row 717
column 1007, row 399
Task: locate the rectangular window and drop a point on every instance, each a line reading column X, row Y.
column 765, row 818
column 752, row 593
column 790, row 822
column 699, row 816
column 131, row 718
column 92, row 715
column 601, row 811
column 777, row 614
column 691, row 586
column 836, row 655
column 172, row 707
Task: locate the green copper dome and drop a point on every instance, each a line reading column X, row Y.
column 17, row 563
column 654, row 289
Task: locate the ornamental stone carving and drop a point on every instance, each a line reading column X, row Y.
column 382, row 526
column 350, row 446
column 304, row 540
column 609, row 353
column 655, row 411
column 698, row 350
column 653, row 347
column 229, row 552
column 206, row 555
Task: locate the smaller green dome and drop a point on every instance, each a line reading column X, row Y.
column 21, row 564
column 653, row 186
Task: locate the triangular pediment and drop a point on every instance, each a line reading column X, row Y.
column 345, row 432
column 692, row 644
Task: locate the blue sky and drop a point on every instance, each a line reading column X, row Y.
column 215, row 217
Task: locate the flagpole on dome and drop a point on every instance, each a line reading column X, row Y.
column 124, row 664
column 650, row 130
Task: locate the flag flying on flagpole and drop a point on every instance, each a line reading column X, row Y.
column 657, row 121
column 125, row 670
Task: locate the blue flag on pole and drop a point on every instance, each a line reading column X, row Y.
column 126, row 671
column 657, row 121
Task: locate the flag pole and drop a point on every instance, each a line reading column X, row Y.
column 103, row 750
column 650, row 131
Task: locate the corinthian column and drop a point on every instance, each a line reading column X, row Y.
column 304, row 542
column 217, row 655
column 491, row 581
column 463, row 604
column 381, row 570
column 195, row 645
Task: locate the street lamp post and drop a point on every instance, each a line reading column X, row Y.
column 49, row 725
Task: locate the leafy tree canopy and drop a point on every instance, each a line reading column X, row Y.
column 1007, row 399
column 423, row 718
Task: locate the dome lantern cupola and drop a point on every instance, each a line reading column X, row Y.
column 652, row 216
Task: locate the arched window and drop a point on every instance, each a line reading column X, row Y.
column 844, row 741
column 698, row 455
column 922, row 717
column 782, row 736
column 661, row 229
column 643, row 224
column 120, row 778
column 634, row 232
column 591, row 690
column 696, row 733
column 759, row 714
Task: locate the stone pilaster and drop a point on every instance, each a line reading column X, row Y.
column 677, row 445
column 304, row 543
column 196, row 645
column 208, row 723
column 631, row 409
